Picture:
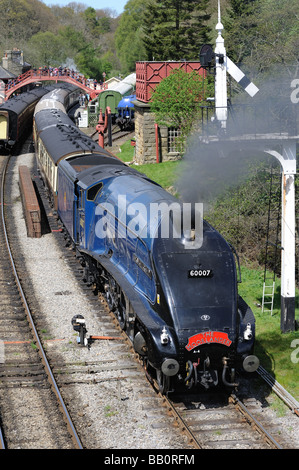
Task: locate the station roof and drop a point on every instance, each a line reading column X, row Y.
column 5, row 74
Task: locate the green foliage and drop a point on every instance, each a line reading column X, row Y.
column 242, row 7
column 240, row 28
column 277, row 33
column 129, row 35
column 88, row 62
column 241, row 211
column 272, row 347
column 73, row 40
column 259, row 33
column 91, row 21
column 53, row 36
column 175, row 30
column 95, row 26
column 20, row 19
column 47, row 49
column 177, row 98
column 162, row 173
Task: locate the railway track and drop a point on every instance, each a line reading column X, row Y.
column 28, row 391
column 218, row 420
column 121, row 401
column 116, row 134
column 279, row 390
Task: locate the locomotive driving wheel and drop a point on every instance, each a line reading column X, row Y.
column 110, row 294
column 192, row 376
column 121, row 314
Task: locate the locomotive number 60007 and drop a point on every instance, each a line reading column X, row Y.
column 200, row 273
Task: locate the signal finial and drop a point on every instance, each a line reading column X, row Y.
column 219, row 25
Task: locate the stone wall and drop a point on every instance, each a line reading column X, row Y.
column 145, row 134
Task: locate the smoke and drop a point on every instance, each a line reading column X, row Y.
column 209, row 169
column 70, row 64
column 221, row 161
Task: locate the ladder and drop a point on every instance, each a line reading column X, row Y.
column 269, row 276
column 268, row 292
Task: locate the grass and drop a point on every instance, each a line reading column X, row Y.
column 163, row 173
column 278, row 352
column 126, row 153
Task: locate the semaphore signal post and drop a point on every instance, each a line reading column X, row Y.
column 280, row 145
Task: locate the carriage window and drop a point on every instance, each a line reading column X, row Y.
column 93, row 191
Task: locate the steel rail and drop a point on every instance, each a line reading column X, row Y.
column 279, row 390
column 242, row 409
column 181, row 422
column 2, row 441
column 45, row 362
column 255, row 422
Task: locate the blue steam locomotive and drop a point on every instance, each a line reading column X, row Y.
column 171, row 285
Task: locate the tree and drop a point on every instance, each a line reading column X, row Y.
column 93, row 26
column 74, row 41
column 277, row 35
column 20, row 19
column 129, row 35
column 175, row 29
column 47, row 49
column 88, row 62
column 240, row 25
column 176, row 100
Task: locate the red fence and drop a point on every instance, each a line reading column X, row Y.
column 149, row 74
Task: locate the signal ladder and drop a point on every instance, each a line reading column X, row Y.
column 270, row 256
column 268, row 292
